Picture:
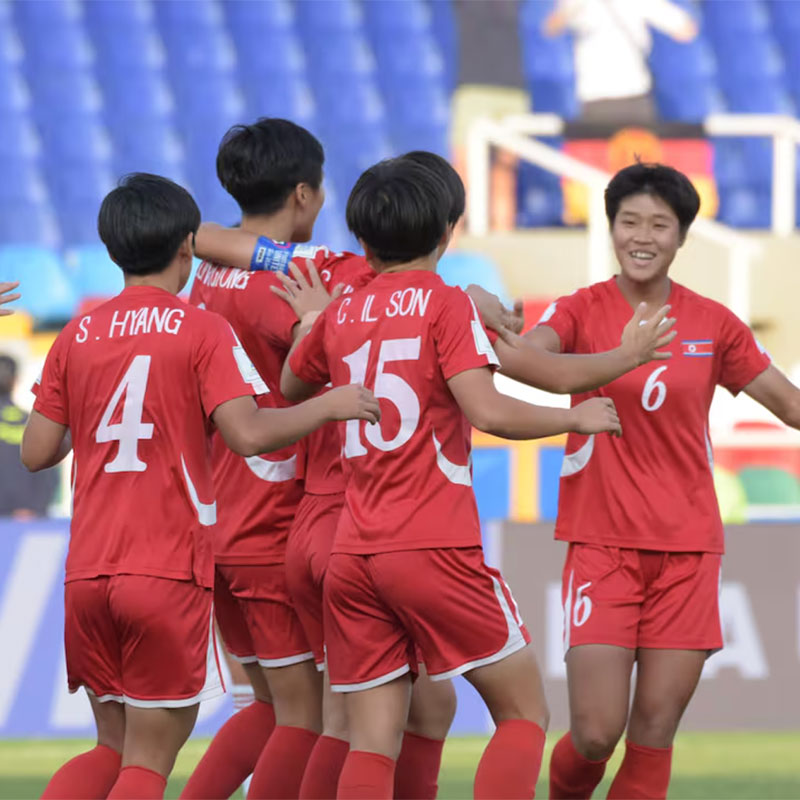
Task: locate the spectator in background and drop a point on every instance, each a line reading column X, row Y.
column 22, row 495
column 612, row 44
column 490, row 84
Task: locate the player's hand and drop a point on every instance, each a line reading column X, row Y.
column 353, row 402
column 643, row 340
column 302, row 294
column 6, row 287
column 597, row 415
column 507, row 324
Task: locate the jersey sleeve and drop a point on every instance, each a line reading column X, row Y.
column 562, row 316
column 742, row 359
column 50, row 388
column 224, row 370
column 460, row 338
column 309, row 361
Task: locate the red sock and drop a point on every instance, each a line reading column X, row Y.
column 572, row 776
column 417, row 771
column 279, row 771
column 85, row 777
column 511, row 761
column 366, row 776
column 323, row 769
column 232, row 754
column 643, row 774
column 138, row 783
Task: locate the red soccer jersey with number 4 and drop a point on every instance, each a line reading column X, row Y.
column 136, row 381
column 409, row 478
column 653, row 487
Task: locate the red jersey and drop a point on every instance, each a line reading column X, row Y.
column 652, row 488
column 258, row 495
column 136, row 381
column 409, row 478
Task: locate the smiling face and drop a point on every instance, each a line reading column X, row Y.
column 646, row 235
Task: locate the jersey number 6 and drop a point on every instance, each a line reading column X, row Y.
column 388, row 386
column 655, row 391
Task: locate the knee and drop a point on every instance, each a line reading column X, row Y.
column 536, row 712
column 433, row 715
column 595, row 741
column 653, row 726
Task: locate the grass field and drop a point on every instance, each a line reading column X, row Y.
column 706, row 765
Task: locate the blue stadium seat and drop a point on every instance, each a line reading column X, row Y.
column 14, row 94
column 443, row 25
column 261, row 52
column 180, row 15
column 105, row 15
column 548, row 58
column 47, row 293
column 355, row 102
column 748, row 55
column 62, row 46
column 129, row 97
column 29, row 222
column 403, row 57
column 11, row 50
column 351, row 56
column 687, row 99
column 539, row 196
column 672, row 59
column 276, row 15
column 136, row 48
column 329, row 16
column 92, row 272
column 46, row 13
column 81, row 137
column 21, row 179
column 18, row 136
column 554, row 95
column 77, row 189
column 461, row 268
column 289, row 98
column 765, row 95
column 387, row 20
column 419, row 114
column 64, row 91
column 741, row 15
column 745, row 207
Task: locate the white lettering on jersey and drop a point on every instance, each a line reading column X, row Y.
column 365, row 311
column 341, row 314
column 146, row 320
column 408, row 302
column 222, row 277
column 83, row 334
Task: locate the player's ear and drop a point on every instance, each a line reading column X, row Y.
column 301, row 194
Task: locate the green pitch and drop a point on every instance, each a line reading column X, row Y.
column 706, row 765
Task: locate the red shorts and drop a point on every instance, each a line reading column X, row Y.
column 641, row 598
column 141, row 640
column 379, row 609
column 255, row 615
column 307, row 553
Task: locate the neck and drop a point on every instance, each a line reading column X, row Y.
column 169, row 280
column 278, row 226
column 427, row 263
column 653, row 292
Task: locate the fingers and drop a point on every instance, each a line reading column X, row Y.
column 7, row 286
column 298, row 275
column 291, row 285
column 638, row 314
column 337, row 291
column 507, row 335
column 282, row 294
column 666, row 339
column 660, row 315
column 9, row 298
column 314, row 274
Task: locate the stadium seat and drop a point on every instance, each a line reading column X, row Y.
column 47, row 292
column 21, row 179
column 330, row 17
column 18, row 136
column 290, row 98
column 404, row 57
column 461, row 268
column 58, row 46
column 131, row 97
column 268, row 52
column 104, row 15
column 277, row 15
column 742, row 15
column 539, row 197
column 92, row 272
column 197, row 15
column 58, row 92
column 14, row 94
column 745, row 206
column 387, row 20
column 443, row 26
column 352, row 57
column 136, row 48
column 81, row 137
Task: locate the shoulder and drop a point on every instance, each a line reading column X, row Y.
column 711, row 310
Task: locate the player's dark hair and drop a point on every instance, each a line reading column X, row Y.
column 261, row 164
column 144, row 221
column 444, row 169
column 8, row 374
column 399, row 209
column 666, row 183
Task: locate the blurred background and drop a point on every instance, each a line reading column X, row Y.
column 536, row 102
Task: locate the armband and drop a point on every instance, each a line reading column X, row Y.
column 271, row 256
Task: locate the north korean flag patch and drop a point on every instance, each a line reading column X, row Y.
column 698, row 348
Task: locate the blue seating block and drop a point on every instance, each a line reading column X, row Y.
column 92, row 271
column 47, row 293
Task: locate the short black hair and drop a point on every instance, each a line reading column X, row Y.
column 444, row 169
column 399, row 209
column 659, row 180
column 144, row 220
column 8, row 373
column 260, row 165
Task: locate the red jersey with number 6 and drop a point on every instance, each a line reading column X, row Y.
column 652, row 488
column 409, row 478
column 136, row 381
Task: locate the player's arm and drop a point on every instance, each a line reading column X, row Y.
column 6, row 296
column 493, row 412
column 536, row 358
column 295, row 389
column 249, row 430
column 231, row 246
column 45, row 443
column 777, row 394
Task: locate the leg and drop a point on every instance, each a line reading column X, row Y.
column 513, row 692
column 153, row 738
column 433, row 706
column 377, row 719
column 598, row 680
column 297, row 698
column 665, row 683
column 92, row 774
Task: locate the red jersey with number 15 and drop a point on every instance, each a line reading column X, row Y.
column 136, row 381
column 652, row 488
column 409, row 478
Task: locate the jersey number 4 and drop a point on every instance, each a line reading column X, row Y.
column 388, row 386
column 130, row 428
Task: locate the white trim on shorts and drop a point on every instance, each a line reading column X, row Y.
column 273, row 663
column 360, row 687
column 516, row 641
column 213, row 686
column 243, row 659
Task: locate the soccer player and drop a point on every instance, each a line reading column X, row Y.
column 406, row 569
column 7, row 295
column 134, row 387
column 641, row 578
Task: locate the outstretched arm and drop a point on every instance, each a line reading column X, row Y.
column 778, row 394
column 44, row 443
column 231, row 246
